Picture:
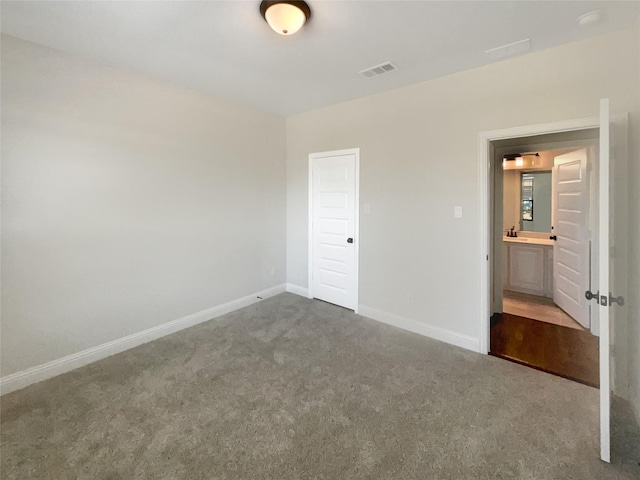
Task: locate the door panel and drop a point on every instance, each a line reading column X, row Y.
column 603, row 280
column 333, row 198
column 612, row 265
column 571, row 249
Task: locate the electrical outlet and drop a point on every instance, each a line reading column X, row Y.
column 410, row 297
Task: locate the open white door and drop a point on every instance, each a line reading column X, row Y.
column 612, row 269
column 571, row 234
column 602, row 296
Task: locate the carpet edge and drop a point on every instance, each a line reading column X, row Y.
column 19, row 380
column 437, row 333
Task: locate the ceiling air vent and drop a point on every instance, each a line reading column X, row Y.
column 509, row 50
column 378, row 70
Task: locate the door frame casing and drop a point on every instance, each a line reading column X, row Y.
column 485, row 173
column 356, row 243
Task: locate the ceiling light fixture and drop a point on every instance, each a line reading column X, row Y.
column 285, row 16
column 589, row 18
column 519, row 158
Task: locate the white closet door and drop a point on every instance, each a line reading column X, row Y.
column 333, row 229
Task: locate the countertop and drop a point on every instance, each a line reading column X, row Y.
column 532, row 241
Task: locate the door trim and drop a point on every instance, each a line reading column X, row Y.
column 334, row 153
column 485, row 172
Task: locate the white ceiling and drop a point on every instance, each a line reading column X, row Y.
column 224, row 48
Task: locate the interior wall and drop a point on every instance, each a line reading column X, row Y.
column 126, row 203
column 511, row 200
column 419, row 154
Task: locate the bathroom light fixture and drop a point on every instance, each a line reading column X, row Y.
column 518, row 157
column 285, row 16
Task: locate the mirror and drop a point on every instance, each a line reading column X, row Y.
column 535, row 201
column 526, row 189
column 527, row 200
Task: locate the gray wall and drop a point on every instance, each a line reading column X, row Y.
column 419, row 158
column 541, row 203
column 126, row 203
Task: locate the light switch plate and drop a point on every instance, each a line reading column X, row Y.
column 367, row 209
column 457, row 212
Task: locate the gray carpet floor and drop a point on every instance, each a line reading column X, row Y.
column 296, row 389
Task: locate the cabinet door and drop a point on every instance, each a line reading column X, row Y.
column 526, row 269
column 548, row 272
column 505, row 265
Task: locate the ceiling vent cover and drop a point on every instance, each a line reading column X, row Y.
column 378, row 70
column 510, row 50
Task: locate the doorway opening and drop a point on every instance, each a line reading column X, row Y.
column 544, row 194
column 609, row 244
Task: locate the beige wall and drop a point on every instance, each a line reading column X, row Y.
column 419, row 154
column 126, row 203
column 511, row 199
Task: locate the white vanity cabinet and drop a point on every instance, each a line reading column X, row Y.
column 529, row 266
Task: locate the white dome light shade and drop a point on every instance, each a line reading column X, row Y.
column 284, row 17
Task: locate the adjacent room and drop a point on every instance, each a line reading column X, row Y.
column 546, row 197
column 279, row 239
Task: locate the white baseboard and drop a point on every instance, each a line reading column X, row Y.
column 16, row 381
column 298, row 290
column 437, row 333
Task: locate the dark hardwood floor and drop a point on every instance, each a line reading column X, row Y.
column 555, row 349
